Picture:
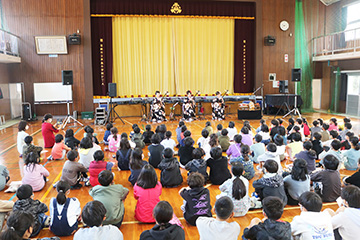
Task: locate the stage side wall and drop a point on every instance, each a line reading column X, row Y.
column 50, row 18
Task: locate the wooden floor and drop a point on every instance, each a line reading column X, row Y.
column 130, row 227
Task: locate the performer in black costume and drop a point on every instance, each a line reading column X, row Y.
column 157, row 109
column 189, row 107
column 218, row 107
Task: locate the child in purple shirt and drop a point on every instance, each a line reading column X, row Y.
column 246, row 136
column 234, row 149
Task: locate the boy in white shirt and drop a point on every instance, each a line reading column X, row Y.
column 232, row 131
column 219, row 228
column 168, row 142
column 346, row 220
column 204, row 140
column 93, row 215
column 311, row 223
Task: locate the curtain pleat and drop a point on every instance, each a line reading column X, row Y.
column 172, row 54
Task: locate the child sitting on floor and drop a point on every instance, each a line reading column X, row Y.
column 163, row 213
column 348, row 127
column 334, row 151
column 29, row 147
column 155, row 150
column 224, row 140
column 271, row 184
column 308, row 155
column 196, row 198
column 36, row 208
column 147, row 134
column 218, row 164
column 185, row 134
column 107, row 133
column 317, row 144
column 262, row 122
column 219, row 227
column 22, row 127
column 219, row 127
column 246, row 136
column 237, row 189
column 4, row 178
column 265, row 134
column 270, row 154
column 345, row 221
column 147, row 191
column 138, row 138
column 34, row 173
column 89, row 132
column 185, row 152
column 246, row 160
column 204, row 139
column 311, row 223
column 209, row 128
column 93, row 216
column 58, row 151
column 97, row 166
column 123, row 154
column 170, row 170
column 168, row 142
column 135, row 165
column 325, row 133
column 271, row 227
column 232, row 131
column 114, row 140
column 294, row 147
column 179, row 131
column 352, row 156
column 355, row 178
column 112, row 196
column 70, row 140
column 64, row 212
column 328, row 180
column 234, row 149
column 198, row 164
column 258, row 148
column 315, row 129
column 73, row 171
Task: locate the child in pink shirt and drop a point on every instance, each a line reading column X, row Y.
column 34, row 173
column 59, row 149
column 114, row 140
column 147, row 191
column 333, row 124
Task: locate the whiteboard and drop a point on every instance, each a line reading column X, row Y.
column 52, row 92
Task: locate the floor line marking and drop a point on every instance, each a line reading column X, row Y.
column 14, row 145
column 50, row 187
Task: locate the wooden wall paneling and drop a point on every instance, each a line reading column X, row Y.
column 46, row 17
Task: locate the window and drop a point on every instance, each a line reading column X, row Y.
column 353, row 22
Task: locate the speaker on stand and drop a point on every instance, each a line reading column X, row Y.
column 67, row 79
column 112, row 92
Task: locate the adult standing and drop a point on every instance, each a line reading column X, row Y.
column 189, row 107
column 48, row 130
column 218, row 107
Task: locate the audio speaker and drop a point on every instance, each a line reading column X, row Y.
column 112, row 90
column 67, row 77
column 296, row 75
column 283, row 86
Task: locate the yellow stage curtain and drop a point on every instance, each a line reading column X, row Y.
column 204, row 56
column 143, row 55
column 174, row 54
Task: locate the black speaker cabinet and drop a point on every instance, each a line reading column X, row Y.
column 296, row 75
column 112, row 90
column 67, row 77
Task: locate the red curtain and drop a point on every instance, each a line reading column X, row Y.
column 102, row 54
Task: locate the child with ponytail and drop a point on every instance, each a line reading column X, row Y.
column 246, row 160
column 114, row 140
column 352, row 155
column 237, row 189
column 20, row 226
column 64, row 211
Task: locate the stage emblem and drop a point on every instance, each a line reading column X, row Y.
column 175, row 8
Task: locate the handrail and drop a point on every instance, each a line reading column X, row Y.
column 334, row 33
column 9, row 43
column 9, row 32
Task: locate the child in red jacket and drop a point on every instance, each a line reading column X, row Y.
column 97, row 166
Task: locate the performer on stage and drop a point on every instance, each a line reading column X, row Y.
column 189, row 107
column 218, row 107
column 157, row 109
